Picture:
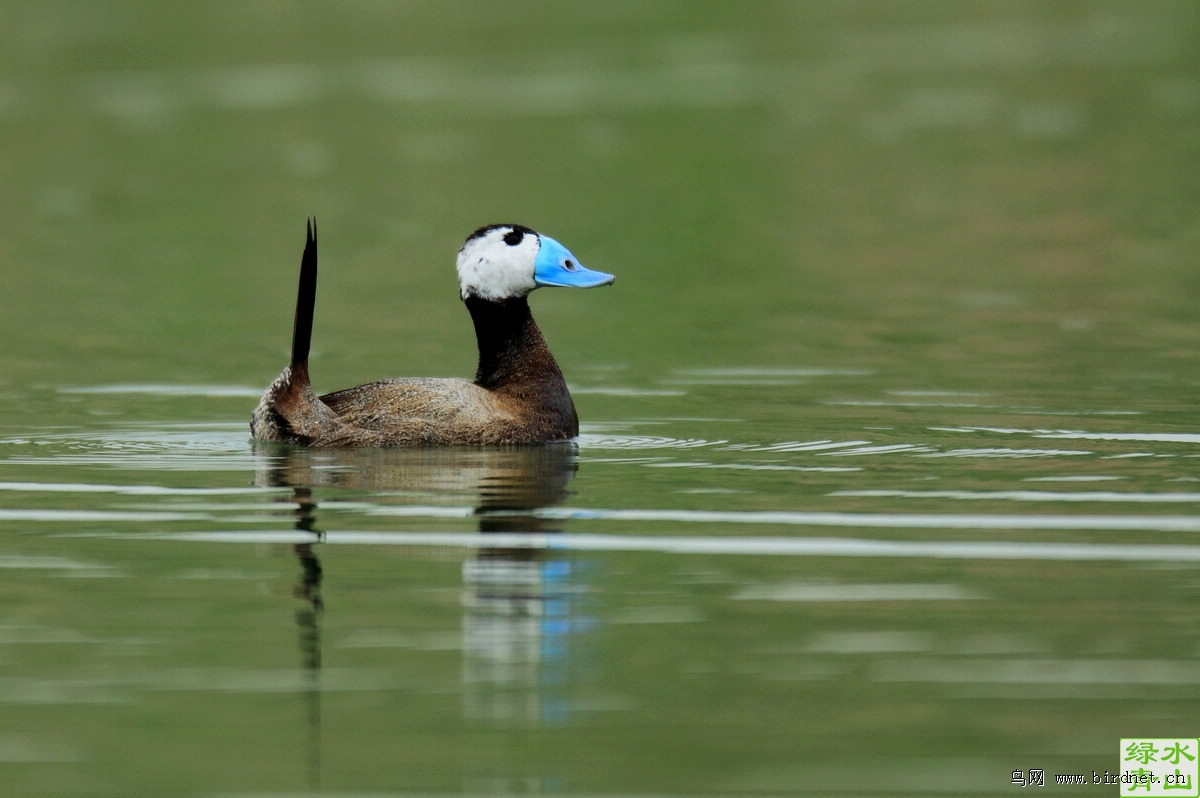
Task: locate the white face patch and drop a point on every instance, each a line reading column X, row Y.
column 490, row 267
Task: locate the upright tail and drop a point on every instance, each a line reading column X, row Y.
column 306, row 300
column 289, row 409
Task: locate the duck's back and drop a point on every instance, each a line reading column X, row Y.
column 430, row 411
column 420, row 411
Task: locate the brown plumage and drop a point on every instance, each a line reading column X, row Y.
column 519, row 395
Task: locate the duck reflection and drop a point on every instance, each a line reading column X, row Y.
column 518, row 603
column 308, row 618
column 517, row 607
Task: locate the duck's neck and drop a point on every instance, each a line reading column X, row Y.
column 513, row 355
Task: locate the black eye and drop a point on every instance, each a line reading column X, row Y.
column 570, row 265
column 513, row 237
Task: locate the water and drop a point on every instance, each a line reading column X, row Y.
column 888, row 478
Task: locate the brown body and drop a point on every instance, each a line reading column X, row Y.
column 518, row 396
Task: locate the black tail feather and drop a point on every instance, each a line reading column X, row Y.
column 306, row 300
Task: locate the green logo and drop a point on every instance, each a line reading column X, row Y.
column 1160, row 766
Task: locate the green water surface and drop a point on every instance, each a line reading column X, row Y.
column 887, row 481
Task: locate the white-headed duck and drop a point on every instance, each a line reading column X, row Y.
column 518, row 396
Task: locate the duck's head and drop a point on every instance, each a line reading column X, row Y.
column 505, row 261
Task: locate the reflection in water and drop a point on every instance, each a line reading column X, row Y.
column 308, row 617
column 518, row 601
column 516, row 625
column 308, row 620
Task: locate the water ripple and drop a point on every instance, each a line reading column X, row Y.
column 717, row 545
column 795, row 446
column 197, row 447
column 1029, row 495
column 97, row 516
column 1006, row 453
column 1066, row 434
column 800, row 518
column 642, row 442
column 167, row 390
column 907, row 591
column 125, row 490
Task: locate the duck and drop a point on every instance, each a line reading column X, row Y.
column 518, row 396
